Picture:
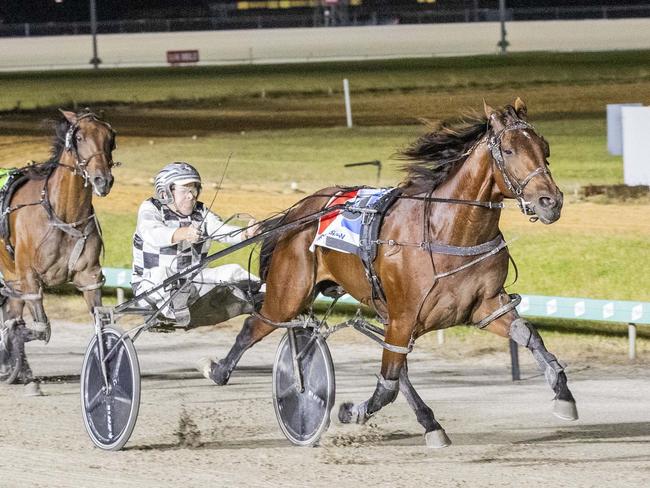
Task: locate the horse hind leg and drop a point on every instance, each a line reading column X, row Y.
column 434, row 434
column 385, row 392
column 253, row 331
column 294, row 272
column 14, row 367
column 525, row 334
column 388, row 382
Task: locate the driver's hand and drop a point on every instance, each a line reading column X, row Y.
column 252, row 229
column 189, row 234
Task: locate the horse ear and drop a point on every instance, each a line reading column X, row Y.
column 521, row 109
column 493, row 117
column 488, row 109
column 69, row 116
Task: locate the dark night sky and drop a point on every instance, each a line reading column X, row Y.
column 18, row 11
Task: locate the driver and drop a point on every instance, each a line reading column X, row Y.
column 174, row 231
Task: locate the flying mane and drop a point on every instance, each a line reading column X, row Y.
column 435, row 154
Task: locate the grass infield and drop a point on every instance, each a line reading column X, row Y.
column 284, row 124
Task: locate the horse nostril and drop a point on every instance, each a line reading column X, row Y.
column 546, row 202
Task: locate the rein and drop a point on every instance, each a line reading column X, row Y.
column 475, row 203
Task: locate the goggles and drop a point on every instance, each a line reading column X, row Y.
column 183, row 190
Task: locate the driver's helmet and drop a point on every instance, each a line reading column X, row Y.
column 178, row 173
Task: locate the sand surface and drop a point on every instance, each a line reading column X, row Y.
column 503, row 433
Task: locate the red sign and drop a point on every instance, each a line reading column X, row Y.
column 180, row 57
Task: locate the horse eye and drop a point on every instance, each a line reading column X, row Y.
column 79, row 138
column 507, row 151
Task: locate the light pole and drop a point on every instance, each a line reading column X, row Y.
column 95, row 61
column 503, row 43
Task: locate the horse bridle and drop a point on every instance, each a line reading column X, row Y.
column 515, row 186
column 82, row 163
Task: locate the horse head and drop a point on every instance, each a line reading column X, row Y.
column 520, row 156
column 91, row 142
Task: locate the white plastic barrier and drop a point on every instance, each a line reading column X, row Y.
column 615, row 127
column 636, row 145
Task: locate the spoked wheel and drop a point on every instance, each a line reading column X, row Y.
column 11, row 355
column 110, row 408
column 303, row 402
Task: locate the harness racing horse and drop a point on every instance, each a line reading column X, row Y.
column 51, row 234
column 442, row 260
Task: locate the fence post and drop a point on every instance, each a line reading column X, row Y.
column 346, row 95
column 441, row 336
column 120, row 295
column 631, row 334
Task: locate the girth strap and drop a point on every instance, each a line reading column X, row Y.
column 441, row 248
column 371, row 225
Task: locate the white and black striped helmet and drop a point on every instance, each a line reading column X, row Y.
column 178, row 173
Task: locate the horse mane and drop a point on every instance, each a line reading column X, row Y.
column 435, row 154
column 60, row 127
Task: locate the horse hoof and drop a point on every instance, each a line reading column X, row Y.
column 220, row 373
column 32, row 389
column 437, row 439
column 566, row 410
column 346, row 415
column 351, row 413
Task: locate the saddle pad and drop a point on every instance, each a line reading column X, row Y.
column 4, row 176
column 341, row 229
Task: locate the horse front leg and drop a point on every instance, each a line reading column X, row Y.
column 89, row 283
column 512, row 326
column 30, row 291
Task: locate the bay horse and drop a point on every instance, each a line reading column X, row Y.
column 442, row 260
column 53, row 233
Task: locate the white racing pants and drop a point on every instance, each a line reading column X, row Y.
column 203, row 282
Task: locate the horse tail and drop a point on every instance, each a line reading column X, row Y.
column 302, row 209
column 269, row 243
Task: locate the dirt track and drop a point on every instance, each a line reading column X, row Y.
column 503, row 434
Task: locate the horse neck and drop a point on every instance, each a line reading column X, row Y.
column 468, row 225
column 70, row 197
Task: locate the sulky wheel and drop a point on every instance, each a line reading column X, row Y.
column 110, row 412
column 303, row 412
column 11, row 355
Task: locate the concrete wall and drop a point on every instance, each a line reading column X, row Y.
column 296, row 45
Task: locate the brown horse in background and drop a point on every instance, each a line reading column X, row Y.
column 441, row 260
column 54, row 237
